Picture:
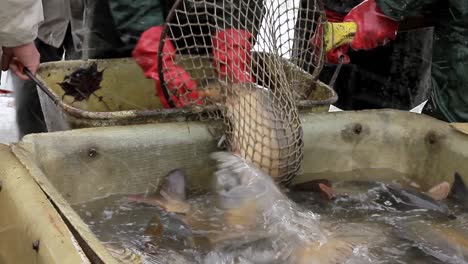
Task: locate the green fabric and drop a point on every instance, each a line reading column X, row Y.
column 204, row 19
column 342, row 7
column 132, row 18
column 450, row 51
column 103, row 40
column 116, row 25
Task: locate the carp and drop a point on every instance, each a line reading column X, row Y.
column 248, row 217
column 448, row 243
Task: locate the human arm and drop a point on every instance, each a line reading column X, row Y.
column 19, row 22
column 379, row 20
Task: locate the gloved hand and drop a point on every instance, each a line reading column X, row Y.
column 334, row 55
column 374, row 28
column 232, row 54
column 16, row 58
column 183, row 88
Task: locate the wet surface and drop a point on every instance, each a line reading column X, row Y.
column 385, row 233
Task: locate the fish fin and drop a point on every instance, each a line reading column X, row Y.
column 328, row 191
column 171, row 196
column 459, row 188
column 310, row 186
column 440, row 191
column 174, row 186
column 335, row 250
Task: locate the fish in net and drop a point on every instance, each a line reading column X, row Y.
column 242, row 62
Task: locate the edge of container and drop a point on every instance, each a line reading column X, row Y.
column 167, row 112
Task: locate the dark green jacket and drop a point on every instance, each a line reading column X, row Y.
column 450, row 50
column 116, row 25
column 341, row 6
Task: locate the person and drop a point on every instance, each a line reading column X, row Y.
column 114, row 26
column 216, row 29
column 126, row 28
column 378, row 22
column 58, row 36
column 369, row 79
column 19, row 22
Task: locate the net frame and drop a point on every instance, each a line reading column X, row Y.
column 276, row 127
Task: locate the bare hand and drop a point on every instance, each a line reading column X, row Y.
column 17, row 58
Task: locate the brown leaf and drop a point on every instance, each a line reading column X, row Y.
column 82, row 82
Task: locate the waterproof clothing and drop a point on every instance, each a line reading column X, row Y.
column 449, row 95
column 29, row 115
column 384, row 77
column 19, row 21
column 60, row 32
column 218, row 30
column 340, row 7
column 116, row 25
column 59, row 15
column 119, row 27
column 177, row 80
column 374, row 28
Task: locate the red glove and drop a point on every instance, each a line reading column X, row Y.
column 334, row 55
column 232, row 54
column 374, row 28
column 182, row 88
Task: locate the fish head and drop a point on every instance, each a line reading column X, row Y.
column 238, row 181
column 174, row 185
column 405, row 199
column 244, row 192
column 171, row 195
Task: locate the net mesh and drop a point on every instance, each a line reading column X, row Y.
column 247, row 60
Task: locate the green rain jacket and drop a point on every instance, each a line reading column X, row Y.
column 116, row 25
column 450, row 51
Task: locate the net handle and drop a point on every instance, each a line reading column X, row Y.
column 314, row 84
column 162, row 82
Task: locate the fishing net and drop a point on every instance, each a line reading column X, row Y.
column 244, row 62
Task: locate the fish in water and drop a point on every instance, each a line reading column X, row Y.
column 405, row 199
column 459, row 191
column 131, row 255
column 292, row 234
column 248, row 217
column 199, row 218
column 372, row 196
column 446, row 242
column 323, row 186
column 125, row 254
